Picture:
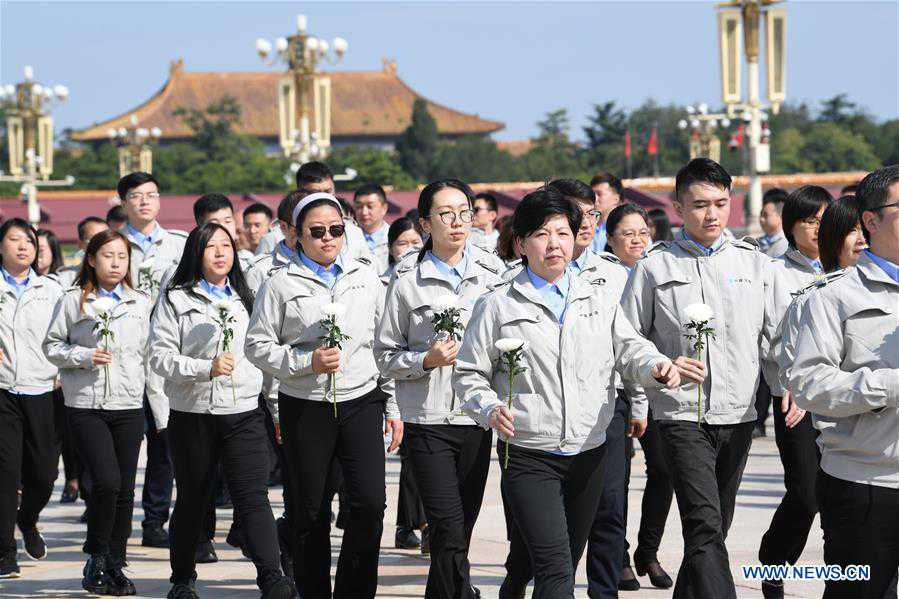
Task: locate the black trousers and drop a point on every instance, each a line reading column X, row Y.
column 706, row 464
column 28, row 454
column 792, row 521
column 450, row 464
column 312, row 438
column 410, row 513
column 860, row 527
column 109, row 443
column 70, row 463
column 763, row 403
column 198, row 443
column 159, row 477
column 657, row 498
column 553, row 501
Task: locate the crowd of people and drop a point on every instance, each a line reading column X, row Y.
column 304, row 344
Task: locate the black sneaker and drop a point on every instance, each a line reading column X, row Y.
column 205, row 553
column 9, row 565
column 34, row 543
column 96, row 580
column 119, row 584
column 155, row 536
column 406, row 538
column 182, row 591
column 279, row 587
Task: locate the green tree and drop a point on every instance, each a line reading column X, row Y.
column 886, row 145
column 370, row 164
column 417, row 145
column 552, row 154
column 829, row 147
column 474, row 159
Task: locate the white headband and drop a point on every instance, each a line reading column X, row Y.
column 313, row 197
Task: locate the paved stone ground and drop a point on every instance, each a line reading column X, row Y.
column 403, row 573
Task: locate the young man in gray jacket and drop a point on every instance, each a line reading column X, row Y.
column 847, row 370
column 706, row 457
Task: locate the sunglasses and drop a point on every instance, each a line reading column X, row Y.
column 334, row 230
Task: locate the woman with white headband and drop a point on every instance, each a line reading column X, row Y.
column 312, row 328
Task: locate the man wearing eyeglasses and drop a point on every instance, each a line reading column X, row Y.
column 154, row 250
column 846, row 368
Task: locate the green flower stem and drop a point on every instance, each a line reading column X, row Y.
column 509, row 403
column 699, row 394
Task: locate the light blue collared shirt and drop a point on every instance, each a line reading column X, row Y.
column 598, row 244
column 451, row 274
column 708, row 251
column 117, row 293
column 377, row 238
column 144, row 242
column 327, row 275
column 284, row 249
column 17, row 287
column 216, row 291
column 554, row 294
column 577, row 265
column 816, row 264
column 888, row 267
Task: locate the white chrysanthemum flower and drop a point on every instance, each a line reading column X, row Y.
column 334, row 309
column 444, row 302
column 698, row 313
column 102, row 305
column 147, row 265
column 508, row 344
column 223, row 305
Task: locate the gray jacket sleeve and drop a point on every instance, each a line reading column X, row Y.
column 386, row 382
column 818, row 382
column 56, row 344
column 395, row 361
column 637, row 306
column 635, row 357
column 475, row 363
column 263, row 347
column 165, row 355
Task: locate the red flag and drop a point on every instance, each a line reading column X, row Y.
column 627, row 143
column 737, row 139
column 653, row 147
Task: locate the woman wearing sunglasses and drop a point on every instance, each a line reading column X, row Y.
column 330, row 403
column 450, row 454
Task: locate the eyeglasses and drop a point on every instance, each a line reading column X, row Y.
column 813, row 221
column 893, row 205
column 318, row 232
column 448, row 218
column 153, row 195
column 631, row 233
column 594, row 214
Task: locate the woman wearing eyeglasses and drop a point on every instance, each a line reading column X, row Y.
column 450, row 454
column 330, row 403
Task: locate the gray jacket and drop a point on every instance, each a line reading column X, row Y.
column 406, row 333
column 790, row 274
column 70, row 344
column 23, row 324
column 285, row 329
column 165, row 253
column 775, row 247
column 184, row 340
column 734, row 281
column 847, row 368
column 564, row 400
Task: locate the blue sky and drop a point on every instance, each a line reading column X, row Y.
column 509, row 61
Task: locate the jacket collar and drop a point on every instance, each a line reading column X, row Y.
column 799, row 260
column 871, row 271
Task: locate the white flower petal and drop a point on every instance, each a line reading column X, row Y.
column 334, row 309
column 507, row 344
column 698, row 313
column 102, row 305
column 444, row 302
column 148, row 264
column 225, row 305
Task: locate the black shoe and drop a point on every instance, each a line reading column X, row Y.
column 69, row 494
column 279, row 587
column 182, row 591
column 406, row 538
column 341, row 520
column 205, row 553
column 34, row 543
column 476, row 591
column 119, row 584
column 9, row 565
column 627, row 581
column 508, row 590
column 96, row 580
column 155, row 536
column 426, row 540
column 773, row 589
column 758, row 431
column 657, row 575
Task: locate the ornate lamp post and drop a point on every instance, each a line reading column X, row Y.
column 304, row 93
column 30, row 131
column 135, row 153
column 704, row 141
column 742, row 19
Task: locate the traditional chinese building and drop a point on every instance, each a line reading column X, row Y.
column 370, row 108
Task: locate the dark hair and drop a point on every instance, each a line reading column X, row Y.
column 873, row 191
column 258, row 208
column 208, row 203
column 371, row 189
column 288, row 203
column 87, row 274
column 574, row 190
column 346, row 208
column 132, row 180
column 313, row 172
column 837, row 222
column 776, row 196
column 490, row 199
column 803, row 203
column 397, row 228
column 426, row 201
column 661, row 223
column 534, row 208
column 700, row 170
column 617, row 214
column 505, row 242
column 56, row 259
column 849, row 190
column 190, row 269
column 82, row 225
column 116, row 214
column 606, row 177
column 20, row 223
